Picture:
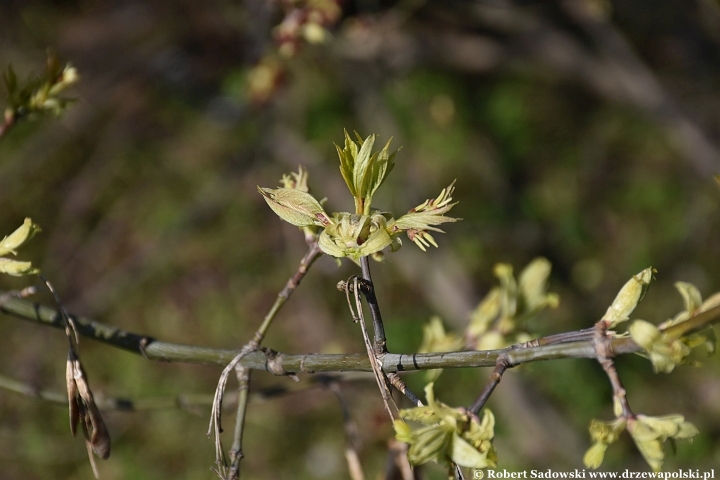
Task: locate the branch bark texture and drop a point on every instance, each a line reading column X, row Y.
column 154, row 349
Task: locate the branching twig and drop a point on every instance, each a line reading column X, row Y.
column 243, row 373
column 153, row 349
column 380, row 377
column 501, row 365
column 604, row 354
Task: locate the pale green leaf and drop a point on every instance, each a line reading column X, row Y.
column 16, row 268
column 295, row 206
column 16, row 239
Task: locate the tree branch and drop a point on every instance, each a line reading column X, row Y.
column 153, row 349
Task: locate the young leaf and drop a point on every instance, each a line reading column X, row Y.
column 16, row 239
column 295, row 206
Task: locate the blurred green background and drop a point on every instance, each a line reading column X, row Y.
column 584, row 131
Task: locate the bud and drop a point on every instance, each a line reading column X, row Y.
column 628, row 298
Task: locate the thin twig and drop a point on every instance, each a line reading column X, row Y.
column 306, row 262
column 352, row 285
column 380, row 377
column 603, row 348
column 243, row 373
column 501, row 365
column 236, row 452
column 379, row 342
column 215, row 426
column 189, row 402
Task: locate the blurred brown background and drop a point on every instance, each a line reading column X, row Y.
column 584, row 131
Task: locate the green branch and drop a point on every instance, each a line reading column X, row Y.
column 153, row 349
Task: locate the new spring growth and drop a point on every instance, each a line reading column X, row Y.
column 648, row 433
column 665, row 351
column 11, row 243
column 628, row 298
column 494, row 322
column 39, row 94
column 367, row 231
column 443, row 434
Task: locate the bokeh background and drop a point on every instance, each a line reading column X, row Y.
column 585, row 131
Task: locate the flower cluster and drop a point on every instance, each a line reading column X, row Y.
column 648, row 433
column 446, row 435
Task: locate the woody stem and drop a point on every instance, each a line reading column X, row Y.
column 379, row 342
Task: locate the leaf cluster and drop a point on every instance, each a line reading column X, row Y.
column 367, row 231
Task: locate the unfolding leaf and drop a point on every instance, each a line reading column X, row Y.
column 16, row 268
column 16, row 239
column 295, row 206
column 423, row 218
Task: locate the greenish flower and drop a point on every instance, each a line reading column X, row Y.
column 649, row 434
column 664, row 351
column 510, row 304
column 355, row 236
column 694, row 305
column 40, row 94
column 298, row 181
column 603, row 434
column 447, row 435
